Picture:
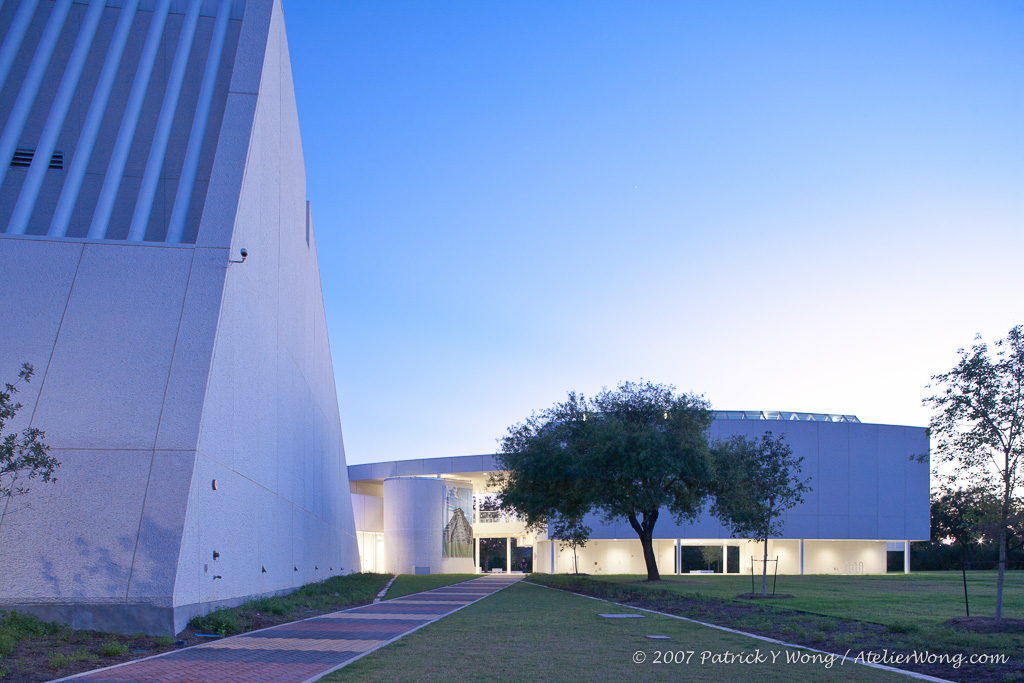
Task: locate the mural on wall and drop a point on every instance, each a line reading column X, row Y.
column 457, row 537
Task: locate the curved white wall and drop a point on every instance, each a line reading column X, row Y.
column 412, row 524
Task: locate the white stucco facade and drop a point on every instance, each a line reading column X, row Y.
column 867, row 492
column 190, row 400
column 413, row 525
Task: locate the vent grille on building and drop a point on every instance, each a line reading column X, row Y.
column 107, row 51
column 23, row 159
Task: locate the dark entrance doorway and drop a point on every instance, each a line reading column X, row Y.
column 492, row 554
column 522, row 557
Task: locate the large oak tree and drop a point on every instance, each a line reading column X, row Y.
column 625, row 454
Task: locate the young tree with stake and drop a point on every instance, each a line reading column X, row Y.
column 573, row 534
column 978, row 423
column 757, row 480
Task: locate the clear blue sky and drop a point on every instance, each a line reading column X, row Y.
column 782, row 206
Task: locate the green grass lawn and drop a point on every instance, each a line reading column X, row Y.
column 531, row 633
column 925, row 597
column 835, row 613
column 406, row 584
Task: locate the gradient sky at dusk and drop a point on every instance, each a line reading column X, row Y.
column 780, row 205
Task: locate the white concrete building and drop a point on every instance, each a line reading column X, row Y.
column 869, row 496
column 188, row 391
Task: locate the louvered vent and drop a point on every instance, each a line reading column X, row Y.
column 23, row 159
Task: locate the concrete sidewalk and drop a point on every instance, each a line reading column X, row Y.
column 302, row 650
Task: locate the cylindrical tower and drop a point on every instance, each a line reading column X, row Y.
column 416, row 524
column 412, row 524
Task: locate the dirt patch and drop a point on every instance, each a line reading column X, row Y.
column 44, row 659
column 71, row 652
column 986, row 625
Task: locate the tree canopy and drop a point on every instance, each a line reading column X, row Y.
column 625, row 454
column 978, row 424
column 965, row 521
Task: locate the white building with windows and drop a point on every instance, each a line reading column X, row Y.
column 185, row 385
column 870, row 496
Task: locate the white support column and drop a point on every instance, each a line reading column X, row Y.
column 801, row 557
column 508, row 554
column 55, row 120
column 187, row 179
column 725, row 558
column 129, row 122
column 93, row 119
column 679, row 556
column 906, row 557
column 12, row 43
column 30, row 86
column 158, row 151
column 554, row 550
column 476, row 553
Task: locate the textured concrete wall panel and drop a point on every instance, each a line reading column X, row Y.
column 73, row 541
column 193, row 349
column 160, row 531
column 369, row 512
column 118, row 333
column 36, row 279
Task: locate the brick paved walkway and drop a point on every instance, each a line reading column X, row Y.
column 302, row 650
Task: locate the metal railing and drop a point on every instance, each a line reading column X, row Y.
column 782, row 415
column 495, row 517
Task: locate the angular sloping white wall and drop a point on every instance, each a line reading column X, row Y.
column 162, row 368
column 270, row 432
column 101, row 323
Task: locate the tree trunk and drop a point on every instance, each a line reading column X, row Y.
column 1002, row 547
column 764, row 571
column 1002, row 569
column 647, row 541
column 645, row 530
